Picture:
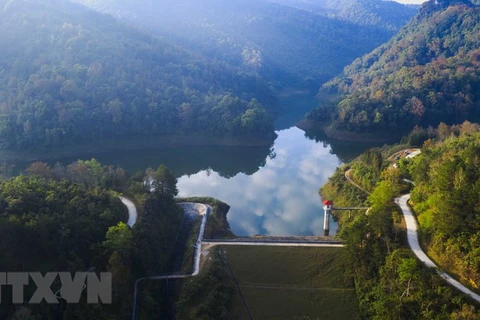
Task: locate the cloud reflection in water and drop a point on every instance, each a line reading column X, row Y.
column 281, row 198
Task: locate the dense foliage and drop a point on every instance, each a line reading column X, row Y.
column 427, row 74
column 55, row 225
column 390, row 282
column 446, row 197
column 287, row 46
column 70, row 219
column 49, row 224
column 341, row 191
column 70, row 75
column 368, row 170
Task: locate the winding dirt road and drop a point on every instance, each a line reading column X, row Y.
column 349, row 179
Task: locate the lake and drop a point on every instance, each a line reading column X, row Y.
column 272, row 190
column 281, row 197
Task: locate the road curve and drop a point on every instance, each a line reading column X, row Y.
column 349, row 179
column 412, row 232
column 412, row 235
column 132, row 211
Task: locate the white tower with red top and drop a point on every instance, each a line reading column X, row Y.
column 327, row 208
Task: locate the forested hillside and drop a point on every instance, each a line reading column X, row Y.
column 428, row 73
column 52, row 226
column 389, row 15
column 69, row 75
column 446, row 197
column 286, row 45
column 391, row 283
column 70, row 219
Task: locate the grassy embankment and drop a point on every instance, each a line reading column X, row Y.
column 282, row 283
column 291, row 283
column 276, row 283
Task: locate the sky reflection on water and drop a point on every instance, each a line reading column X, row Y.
column 281, row 198
column 268, row 195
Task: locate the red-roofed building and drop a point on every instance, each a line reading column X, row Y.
column 327, row 203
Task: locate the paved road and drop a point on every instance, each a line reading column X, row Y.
column 274, row 244
column 190, row 209
column 412, row 232
column 132, row 211
column 204, row 210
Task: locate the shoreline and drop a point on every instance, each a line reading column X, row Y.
column 131, row 144
column 342, row 135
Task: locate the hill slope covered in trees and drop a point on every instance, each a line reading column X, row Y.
column 286, row 45
column 70, row 75
column 389, row 15
column 428, row 73
column 446, row 198
column 391, row 283
column 70, row 219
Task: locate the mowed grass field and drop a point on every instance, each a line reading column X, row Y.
column 291, row 283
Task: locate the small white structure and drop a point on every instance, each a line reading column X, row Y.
column 414, row 154
column 149, row 182
column 327, row 208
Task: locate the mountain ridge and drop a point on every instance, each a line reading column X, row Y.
column 287, row 46
column 426, row 74
column 71, row 75
column 390, row 15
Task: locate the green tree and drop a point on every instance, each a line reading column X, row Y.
column 118, row 238
column 165, row 182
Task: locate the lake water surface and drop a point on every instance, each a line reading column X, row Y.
column 281, row 197
column 272, row 190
